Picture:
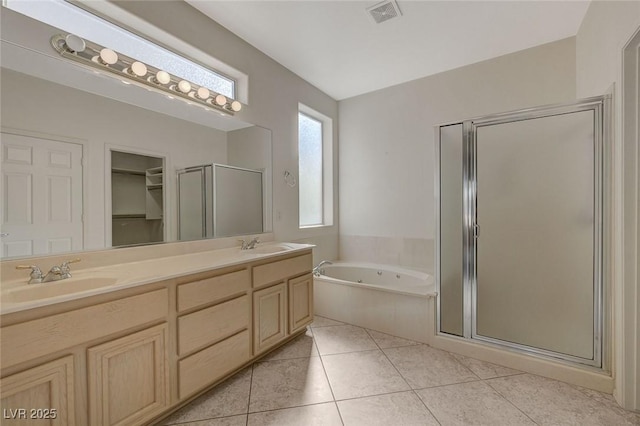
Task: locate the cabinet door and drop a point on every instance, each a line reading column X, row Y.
column 129, row 378
column 269, row 316
column 41, row 395
column 300, row 302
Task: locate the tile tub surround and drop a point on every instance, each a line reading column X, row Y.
column 412, row 253
column 398, row 382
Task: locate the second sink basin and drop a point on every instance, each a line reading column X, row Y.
column 55, row 288
column 269, row 248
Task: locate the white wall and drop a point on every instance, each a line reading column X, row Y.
column 606, row 28
column 274, row 94
column 47, row 108
column 387, row 152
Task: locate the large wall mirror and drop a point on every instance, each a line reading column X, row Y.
column 89, row 162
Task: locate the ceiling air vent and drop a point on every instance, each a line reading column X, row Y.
column 384, row 11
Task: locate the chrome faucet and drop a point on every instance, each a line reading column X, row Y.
column 249, row 245
column 317, row 271
column 56, row 273
column 252, row 244
column 36, row 276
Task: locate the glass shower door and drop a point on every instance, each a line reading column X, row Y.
column 536, row 235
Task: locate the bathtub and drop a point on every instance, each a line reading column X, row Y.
column 384, row 298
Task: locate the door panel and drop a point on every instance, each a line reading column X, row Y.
column 451, row 219
column 535, row 252
column 41, row 196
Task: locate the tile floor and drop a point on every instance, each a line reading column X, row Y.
column 339, row 374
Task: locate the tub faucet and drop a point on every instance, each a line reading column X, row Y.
column 317, row 271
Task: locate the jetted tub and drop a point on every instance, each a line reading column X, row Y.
column 384, row 298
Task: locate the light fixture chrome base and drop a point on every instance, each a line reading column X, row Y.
column 96, row 57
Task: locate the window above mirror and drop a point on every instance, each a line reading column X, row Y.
column 65, row 16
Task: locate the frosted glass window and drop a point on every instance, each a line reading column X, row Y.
column 310, row 170
column 72, row 19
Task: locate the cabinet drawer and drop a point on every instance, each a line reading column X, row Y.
column 205, row 367
column 31, row 339
column 209, row 325
column 280, row 270
column 198, row 293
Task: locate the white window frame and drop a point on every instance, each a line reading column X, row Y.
column 327, row 165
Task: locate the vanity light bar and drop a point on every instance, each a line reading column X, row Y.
column 129, row 70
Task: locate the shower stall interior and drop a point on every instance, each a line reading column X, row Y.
column 520, row 230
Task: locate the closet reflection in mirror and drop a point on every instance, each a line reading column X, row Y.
column 137, row 201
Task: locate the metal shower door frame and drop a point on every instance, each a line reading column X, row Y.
column 600, row 106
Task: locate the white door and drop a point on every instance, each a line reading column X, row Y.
column 41, row 204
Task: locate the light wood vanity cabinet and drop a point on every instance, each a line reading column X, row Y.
column 131, row 356
column 129, row 378
column 41, row 395
column 300, row 302
column 216, row 338
column 278, row 306
column 269, row 317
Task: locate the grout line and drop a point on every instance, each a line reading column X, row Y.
column 507, row 399
column 405, row 380
column 249, row 399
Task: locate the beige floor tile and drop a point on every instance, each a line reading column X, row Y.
column 423, row 366
column 358, row 374
column 609, row 401
column 484, row 370
column 288, row 383
column 342, row 339
column 309, row 415
column 388, row 341
column 402, row 408
column 472, row 403
column 301, row 347
column 222, row 421
column 550, row 402
column 319, row 321
column 227, row 399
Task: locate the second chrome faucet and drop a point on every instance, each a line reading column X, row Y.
column 249, row 245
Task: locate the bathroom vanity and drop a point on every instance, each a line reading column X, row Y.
column 137, row 340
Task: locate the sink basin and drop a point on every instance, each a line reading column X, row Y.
column 55, row 288
column 268, row 249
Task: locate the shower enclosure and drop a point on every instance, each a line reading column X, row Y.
column 520, row 230
column 218, row 200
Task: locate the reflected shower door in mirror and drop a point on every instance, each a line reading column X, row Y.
column 95, row 113
column 218, row 200
column 137, row 199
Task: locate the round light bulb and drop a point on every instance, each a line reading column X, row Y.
column 74, row 43
column 203, row 93
column 236, row 106
column 108, row 56
column 221, row 100
column 163, row 77
column 139, row 69
column 184, row 86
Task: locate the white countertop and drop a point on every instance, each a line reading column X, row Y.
column 106, row 279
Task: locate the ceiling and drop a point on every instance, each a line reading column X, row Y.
column 337, row 47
